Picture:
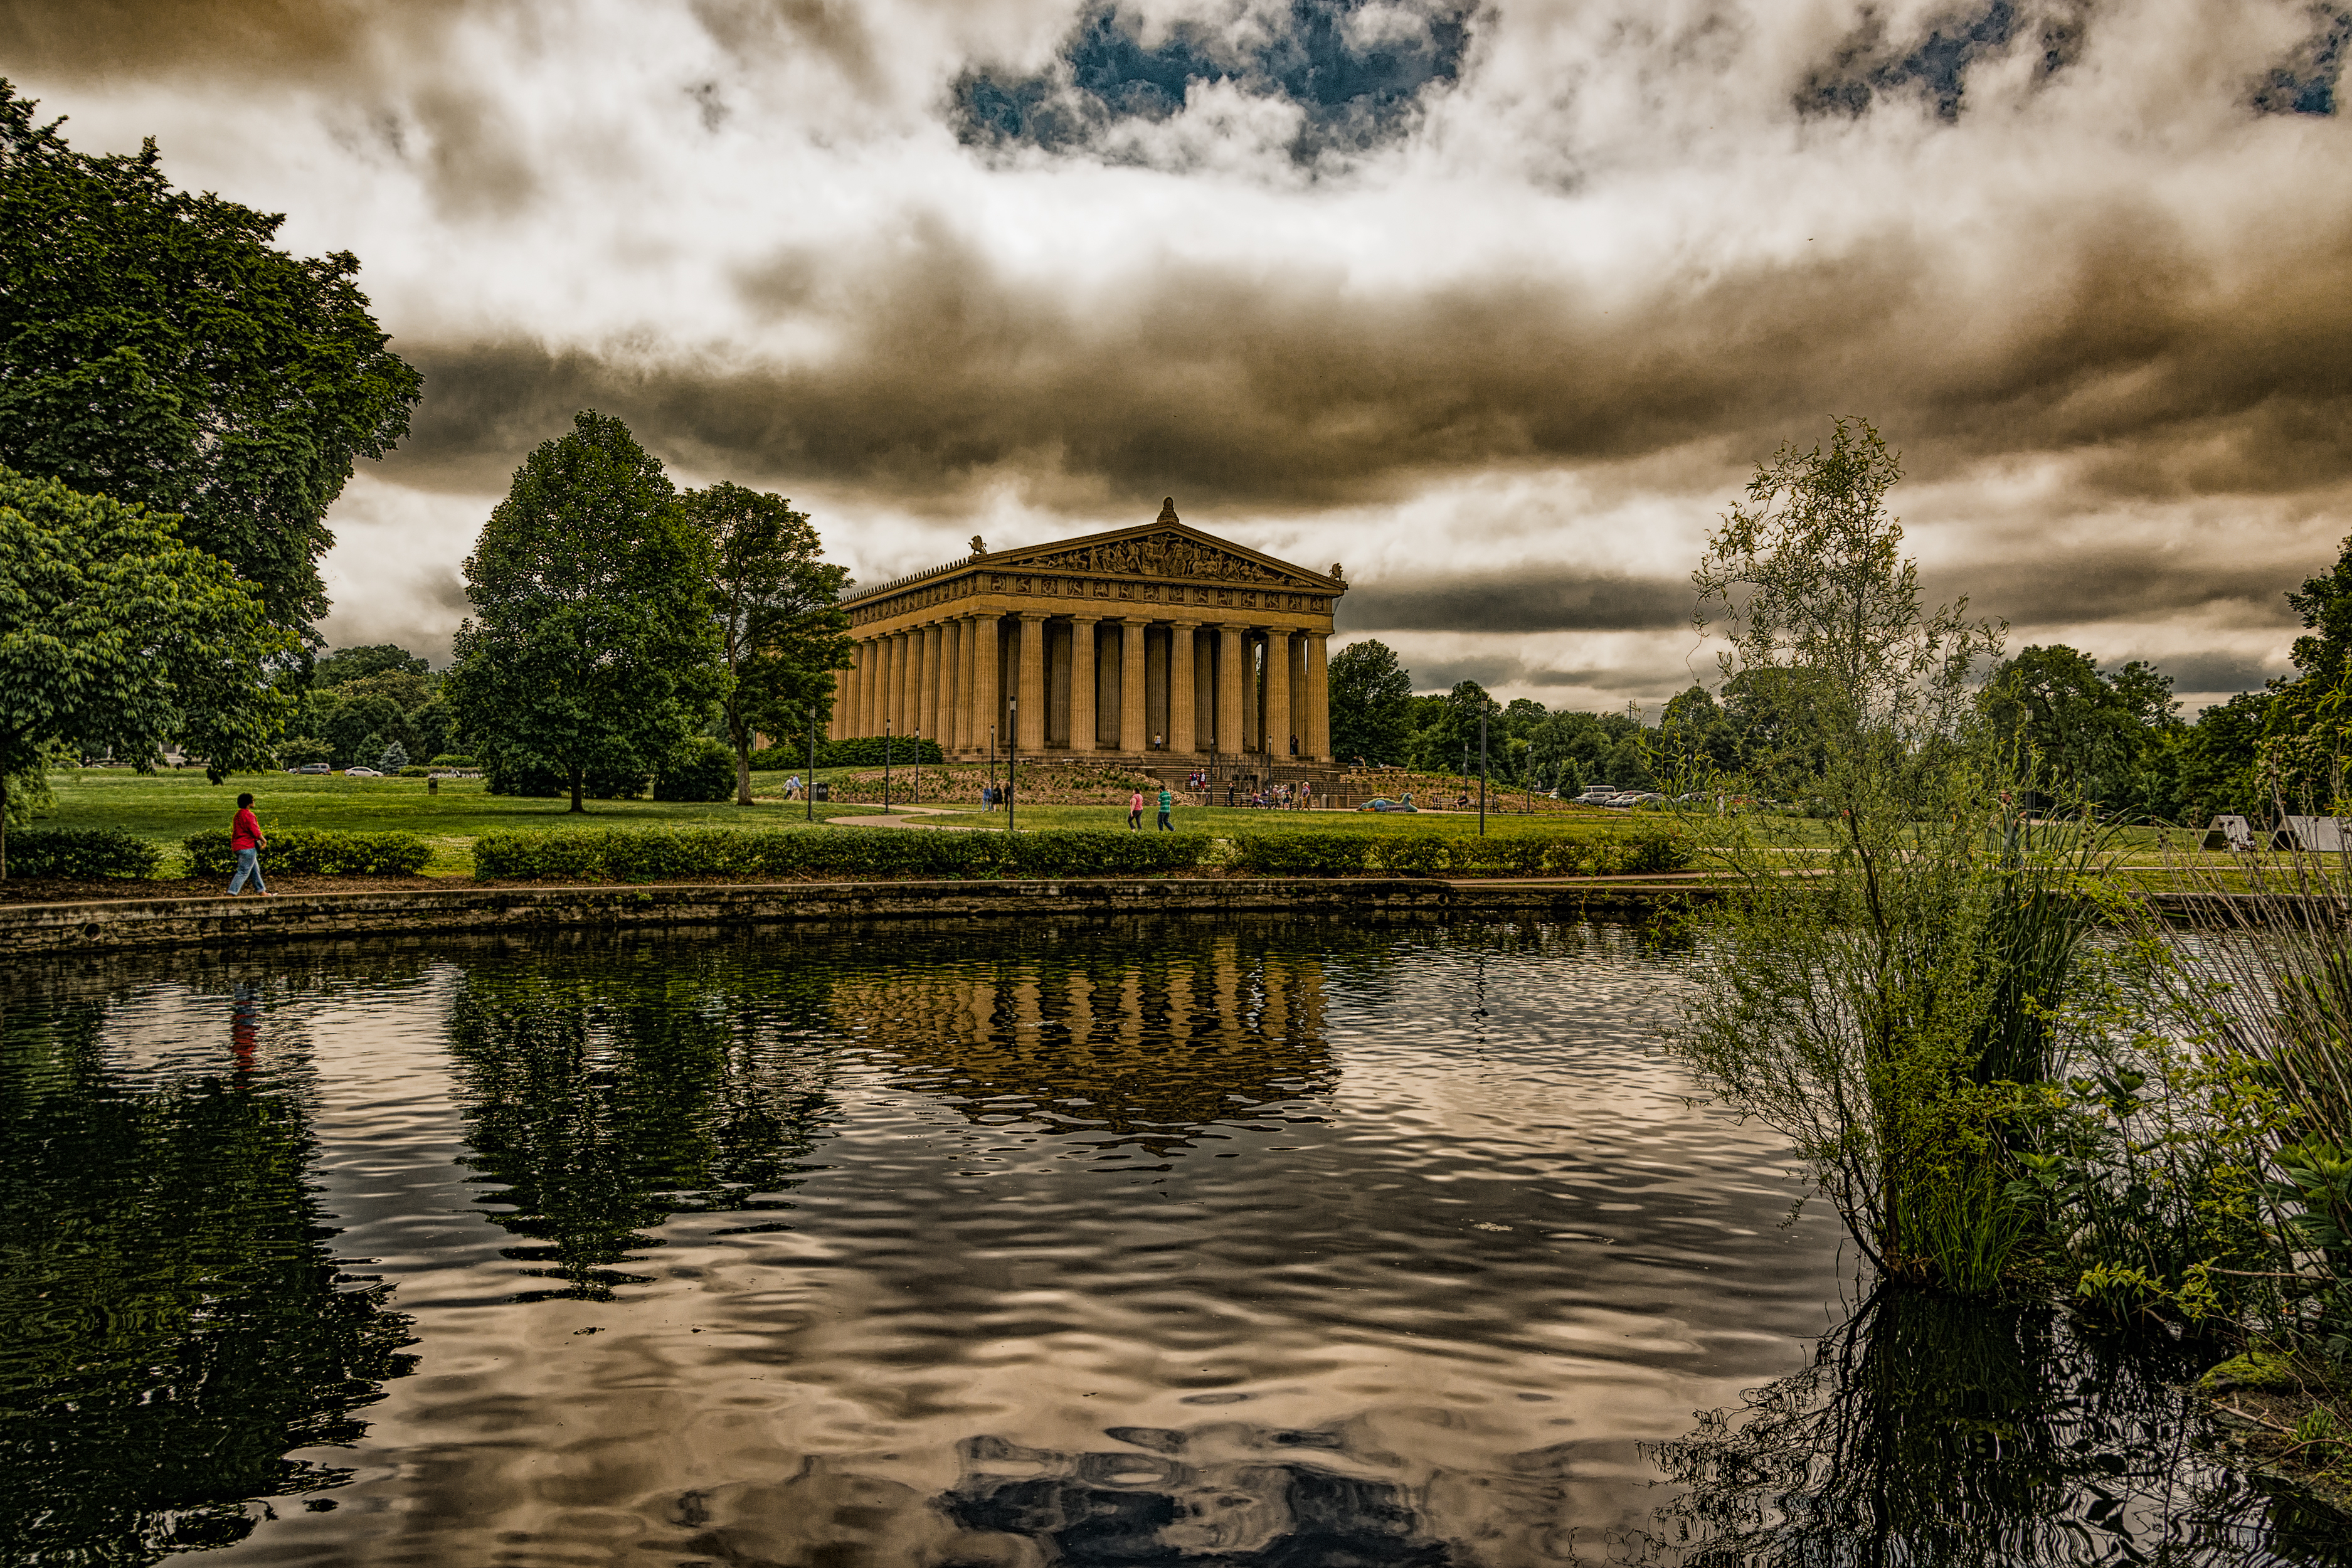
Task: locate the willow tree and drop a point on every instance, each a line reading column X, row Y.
column 1871, row 990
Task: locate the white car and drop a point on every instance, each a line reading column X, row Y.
column 361, row 773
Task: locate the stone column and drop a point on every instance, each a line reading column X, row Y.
column 934, row 644
column 1134, row 739
column 950, row 656
column 869, row 686
column 1318, row 697
column 1277, row 695
column 1230, row 657
column 845, row 697
column 986, row 659
column 1082, row 683
column 1032, row 689
column 1184, row 727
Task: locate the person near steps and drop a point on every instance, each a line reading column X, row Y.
column 244, row 837
column 1135, row 812
column 1167, row 804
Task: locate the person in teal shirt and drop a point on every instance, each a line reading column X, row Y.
column 1167, row 804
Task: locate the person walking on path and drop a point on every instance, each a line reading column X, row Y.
column 1167, row 804
column 244, row 837
column 1135, row 812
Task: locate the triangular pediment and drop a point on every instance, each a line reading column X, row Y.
column 1160, row 549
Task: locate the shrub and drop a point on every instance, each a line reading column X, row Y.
column 702, row 770
column 394, row 758
column 454, row 760
column 621, row 854
column 316, row 852
column 1412, row 855
column 414, row 771
column 1299, row 853
column 859, row 751
column 613, row 780
column 81, row 852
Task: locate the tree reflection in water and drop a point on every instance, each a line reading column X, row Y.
column 172, row 1323
column 1953, row 1434
column 603, row 1098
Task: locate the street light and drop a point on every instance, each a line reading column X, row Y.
column 1012, row 747
column 1482, row 772
column 808, row 792
column 886, row 767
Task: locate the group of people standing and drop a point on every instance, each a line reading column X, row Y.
column 1135, row 810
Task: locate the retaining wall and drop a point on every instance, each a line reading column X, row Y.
column 131, row 924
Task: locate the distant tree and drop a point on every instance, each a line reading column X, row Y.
column 393, row 757
column 1447, row 741
column 782, row 631
column 1694, row 729
column 595, row 640
column 157, row 347
column 349, row 664
column 1590, row 748
column 1372, row 703
column 358, row 729
column 2085, row 735
column 115, row 636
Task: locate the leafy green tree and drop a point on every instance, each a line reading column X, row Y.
column 782, row 631
column 2086, row 733
column 362, row 727
column 595, row 640
column 1694, row 726
column 1371, row 704
column 115, row 635
column 1589, row 749
column 1448, row 740
column 157, row 347
column 351, row 664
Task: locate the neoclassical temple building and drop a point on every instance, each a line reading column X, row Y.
column 1158, row 644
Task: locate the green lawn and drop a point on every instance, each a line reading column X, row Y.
column 165, row 807
column 1223, row 822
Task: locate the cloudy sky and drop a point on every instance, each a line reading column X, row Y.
column 1495, row 302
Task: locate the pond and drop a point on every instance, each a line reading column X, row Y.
column 1284, row 1242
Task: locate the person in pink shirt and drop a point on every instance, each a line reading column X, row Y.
column 1135, row 812
column 244, row 837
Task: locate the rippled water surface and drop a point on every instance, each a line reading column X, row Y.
column 1279, row 1243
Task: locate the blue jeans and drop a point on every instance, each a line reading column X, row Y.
column 249, row 864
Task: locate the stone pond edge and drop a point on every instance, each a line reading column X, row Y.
column 130, row 925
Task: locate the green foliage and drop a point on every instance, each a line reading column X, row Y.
column 2090, row 734
column 869, row 751
column 454, row 760
column 157, row 347
column 1371, row 704
column 79, row 853
column 1880, row 1011
column 782, row 627
column 1648, row 849
column 701, row 770
column 415, row 771
column 315, row 852
column 607, row 778
column 303, row 751
column 593, row 641
column 393, row 758
column 349, row 664
column 113, row 634
column 625, row 855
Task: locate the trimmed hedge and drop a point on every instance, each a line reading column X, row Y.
column 620, row 854
column 81, row 852
column 315, row 852
column 1423, row 854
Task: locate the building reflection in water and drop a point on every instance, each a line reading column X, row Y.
column 1140, row 1046
column 173, row 1324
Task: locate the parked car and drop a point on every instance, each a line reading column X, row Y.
column 1382, row 803
column 312, row 768
column 361, row 773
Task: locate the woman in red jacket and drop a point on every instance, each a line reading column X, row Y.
column 244, row 837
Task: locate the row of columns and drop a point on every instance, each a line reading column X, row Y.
column 942, row 681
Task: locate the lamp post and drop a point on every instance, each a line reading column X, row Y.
column 886, row 767
column 992, row 767
column 1012, row 751
column 808, row 794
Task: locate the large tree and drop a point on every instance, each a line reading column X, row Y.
column 1371, row 704
column 594, row 641
column 115, row 635
column 2086, row 733
column 157, row 346
column 783, row 630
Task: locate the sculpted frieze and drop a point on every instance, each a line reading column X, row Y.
column 1159, row 555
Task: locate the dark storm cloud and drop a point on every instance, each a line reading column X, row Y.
column 1355, row 85
column 1540, row 600
column 2076, row 585
column 72, row 40
column 1277, row 391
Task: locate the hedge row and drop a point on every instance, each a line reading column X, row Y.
column 315, row 852
column 79, row 852
column 620, row 854
column 1422, row 855
column 631, row 855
